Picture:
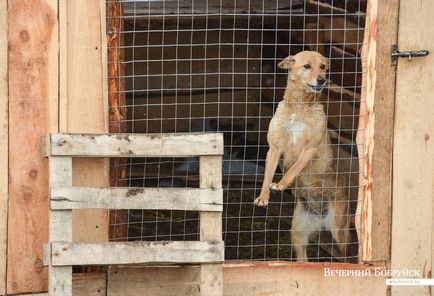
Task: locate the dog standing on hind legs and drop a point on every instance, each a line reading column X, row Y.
column 298, row 139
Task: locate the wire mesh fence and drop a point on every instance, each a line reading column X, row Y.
column 211, row 65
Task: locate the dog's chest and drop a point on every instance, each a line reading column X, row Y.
column 295, row 128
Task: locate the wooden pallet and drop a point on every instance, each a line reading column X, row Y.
column 60, row 254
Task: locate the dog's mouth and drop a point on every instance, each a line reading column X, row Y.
column 316, row 88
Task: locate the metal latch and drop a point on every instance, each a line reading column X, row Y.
column 406, row 54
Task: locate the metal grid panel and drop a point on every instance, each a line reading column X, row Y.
column 194, row 66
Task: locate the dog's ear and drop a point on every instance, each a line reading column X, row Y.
column 286, row 63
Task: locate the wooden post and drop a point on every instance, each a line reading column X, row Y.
column 211, row 278
column 60, row 222
column 375, row 135
column 33, row 105
column 83, row 79
column 117, row 106
column 413, row 148
column 3, row 142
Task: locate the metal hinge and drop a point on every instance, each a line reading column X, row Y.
column 406, row 54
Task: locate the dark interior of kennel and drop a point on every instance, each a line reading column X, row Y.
column 194, row 66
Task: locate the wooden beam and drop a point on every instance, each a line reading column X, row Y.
column 60, row 227
column 84, row 102
column 211, row 6
column 116, row 68
column 248, row 278
column 363, row 210
column 113, row 253
column 136, row 198
column 381, row 98
column 413, row 149
column 375, row 134
column 211, row 275
column 4, row 138
column 33, row 96
column 135, row 145
column 117, row 107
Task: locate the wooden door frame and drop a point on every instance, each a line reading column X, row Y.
column 377, row 119
column 383, row 20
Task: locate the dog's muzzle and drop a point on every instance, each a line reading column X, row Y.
column 316, row 88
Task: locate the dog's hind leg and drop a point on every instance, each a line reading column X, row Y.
column 303, row 225
column 271, row 162
column 339, row 226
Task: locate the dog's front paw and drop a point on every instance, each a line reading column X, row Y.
column 260, row 201
column 277, row 187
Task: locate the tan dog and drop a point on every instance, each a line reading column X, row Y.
column 298, row 138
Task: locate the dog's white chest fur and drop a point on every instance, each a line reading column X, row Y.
column 295, row 127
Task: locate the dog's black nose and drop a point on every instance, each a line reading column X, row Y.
column 320, row 80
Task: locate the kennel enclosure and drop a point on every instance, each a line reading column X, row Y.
column 194, row 66
column 53, row 57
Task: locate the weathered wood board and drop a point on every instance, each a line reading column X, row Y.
column 130, row 145
column 84, row 104
column 4, row 142
column 184, row 199
column 33, row 99
column 413, row 148
column 115, row 253
column 60, row 227
column 247, row 279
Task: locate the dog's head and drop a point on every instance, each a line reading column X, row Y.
column 307, row 69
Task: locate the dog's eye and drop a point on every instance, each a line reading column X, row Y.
column 307, row 66
column 322, row 66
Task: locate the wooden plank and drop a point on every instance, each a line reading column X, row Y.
column 247, row 279
column 84, row 284
column 117, row 107
column 135, row 145
column 63, row 65
column 379, row 104
column 111, row 253
column 376, row 130
column 116, row 68
column 211, row 275
column 3, row 142
column 89, row 284
column 90, row 225
column 33, row 95
column 363, row 218
column 413, row 148
column 384, row 106
column 184, row 199
column 211, row 6
column 87, row 104
column 60, row 226
column 85, row 108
